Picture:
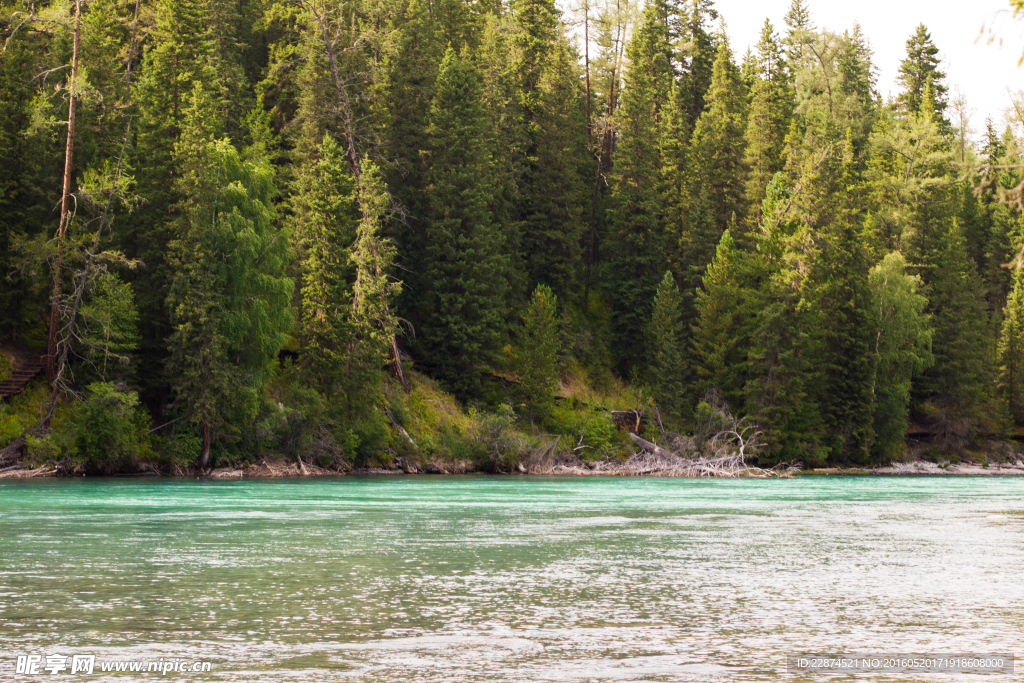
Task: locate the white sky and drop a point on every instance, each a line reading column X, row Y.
column 982, row 72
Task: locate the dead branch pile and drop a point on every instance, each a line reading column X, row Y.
column 720, row 447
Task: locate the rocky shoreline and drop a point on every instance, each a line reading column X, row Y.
column 270, row 469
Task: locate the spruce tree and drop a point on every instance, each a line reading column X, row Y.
column 798, row 19
column 667, row 340
column 721, row 330
column 535, row 358
column 409, row 85
column 465, row 266
column 554, row 196
column 373, row 321
column 636, row 243
column 784, row 357
column 325, row 219
column 768, row 118
column 28, row 174
column 918, row 71
column 719, row 146
column 697, row 54
column 185, row 50
column 954, row 391
column 841, row 295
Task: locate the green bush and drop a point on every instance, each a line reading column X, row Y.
column 181, row 449
column 373, row 436
column 109, row 428
column 600, row 435
column 21, row 412
column 499, row 447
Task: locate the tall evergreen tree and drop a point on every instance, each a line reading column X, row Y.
column 917, row 71
column 326, row 217
column 697, row 54
column 666, row 341
column 636, row 242
column 718, row 141
column 466, row 265
column 535, row 359
column 28, row 175
column 187, row 48
column 549, row 148
column 229, row 298
column 841, row 295
column 784, row 343
column 768, row 119
column 722, row 327
column 954, row 391
column 798, row 19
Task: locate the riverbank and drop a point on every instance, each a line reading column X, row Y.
column 269, row 468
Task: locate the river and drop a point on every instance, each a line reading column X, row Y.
column 481, row 578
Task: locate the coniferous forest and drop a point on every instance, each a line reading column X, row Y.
column 303, row 226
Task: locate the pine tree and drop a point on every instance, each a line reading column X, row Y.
column 798, row 19
column 373, row 321
column 326, row 218
column 553, row 197
column 466, row 265
column 697, row 55
column 28, row 174
column 1011, row 351
column 919, row 69
column 636, row 243
column 784, row 357
column 840, row 293
column 768, row 119
column 718, row 141
column 408, row 88
column 954, row 391
column 535, row 358
column 667, row 340
column 178, row 58
column 720, row 333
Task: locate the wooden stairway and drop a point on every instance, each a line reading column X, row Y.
column 15, row 384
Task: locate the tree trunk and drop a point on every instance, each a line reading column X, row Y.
column 65, row 204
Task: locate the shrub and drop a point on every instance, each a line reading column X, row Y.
column 373, row 436
column 499, row 445
column 181, row 449
column 109, row 427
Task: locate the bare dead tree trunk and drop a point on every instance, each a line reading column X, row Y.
column 65, row 204
column 586, row 58
column 346, row 109
column 80, row 286
column 590, row 132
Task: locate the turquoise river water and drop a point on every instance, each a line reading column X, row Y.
column 507, row 578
